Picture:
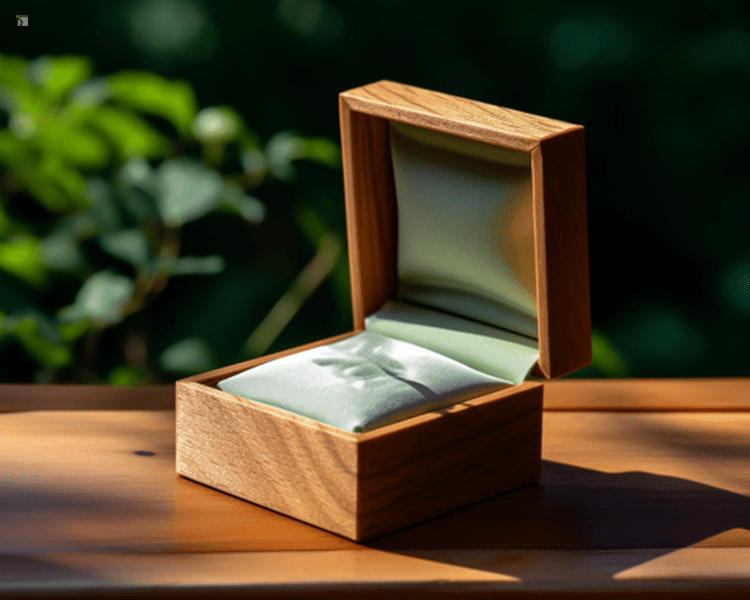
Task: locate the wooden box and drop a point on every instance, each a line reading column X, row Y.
column 363, row 485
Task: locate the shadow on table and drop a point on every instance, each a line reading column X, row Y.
column 582, row 509
column 28, row 570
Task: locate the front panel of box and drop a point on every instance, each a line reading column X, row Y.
column 360, row 486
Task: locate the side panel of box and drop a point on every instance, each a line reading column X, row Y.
column 472, row 452
column 559, row 178
column 293, row 467
column 370, row 211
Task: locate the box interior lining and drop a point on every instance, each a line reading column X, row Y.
column 465, row 228
column 465, row 303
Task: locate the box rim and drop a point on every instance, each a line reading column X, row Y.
column 194, row 383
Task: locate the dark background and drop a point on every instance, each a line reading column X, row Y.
column 663, row 89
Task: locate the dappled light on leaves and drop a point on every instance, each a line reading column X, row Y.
column 188, row 190
column 101, row 299
column 20, row 256
column 59, row 74
column 215, row 125
column 128, row 245
column 116, row 169
column 154, row 95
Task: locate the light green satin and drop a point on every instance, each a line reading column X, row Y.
column 494, row 351
column 361, row 383
column 462, row 210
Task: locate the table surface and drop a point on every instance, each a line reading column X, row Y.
column 645, row 490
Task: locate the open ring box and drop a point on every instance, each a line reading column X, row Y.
column 467, row 238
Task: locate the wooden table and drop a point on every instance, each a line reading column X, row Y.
column 645, row 490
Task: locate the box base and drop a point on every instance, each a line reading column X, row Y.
column 360, row 486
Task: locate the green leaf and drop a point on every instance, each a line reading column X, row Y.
column 323, row 151
column 131, row 134
column 139, row 187
column 11, row 148
column 150, row 93
column 137, row 173
column 198, row 265
column 60, row 252
column 216, row 124
column 39, row 339
column 103, row 205
column 59, row 74
column 250, row 208
column 129, row 245
column 20, row 257
column 127, row 375
column 281, row 150
column 66, row 179
column 79, row 225
column 285, row 147
column 77, row 146
column 50, row 180
column 188, row 189
column 6, row 223
column 101, row 299
column 70, row 332
column 13, row 71
column 90, row 93
column 191, row 355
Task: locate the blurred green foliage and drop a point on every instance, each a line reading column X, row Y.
column 663, row 89
column 100, row 177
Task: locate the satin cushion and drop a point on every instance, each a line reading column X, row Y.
column 361, row 383
column 465, row 227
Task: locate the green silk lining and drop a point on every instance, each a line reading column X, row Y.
column 361, row 383
column 465, row 234
column 494, row 351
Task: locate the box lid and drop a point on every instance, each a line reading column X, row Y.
column 380, row 123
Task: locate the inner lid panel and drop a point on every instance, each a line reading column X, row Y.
column 465, row 228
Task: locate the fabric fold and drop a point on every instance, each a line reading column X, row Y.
column 361, row 383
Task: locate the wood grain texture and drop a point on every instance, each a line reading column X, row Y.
column 726, row 394
column 373, row 574
column 558, row 170
column 473, row 451
column 292, row 465
column 371, row 211
column 618, row 481
column 559, row 191
column 629, row 503
column 30, row 396
column 457, row 116
column 360, row 485
column 705, row 394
